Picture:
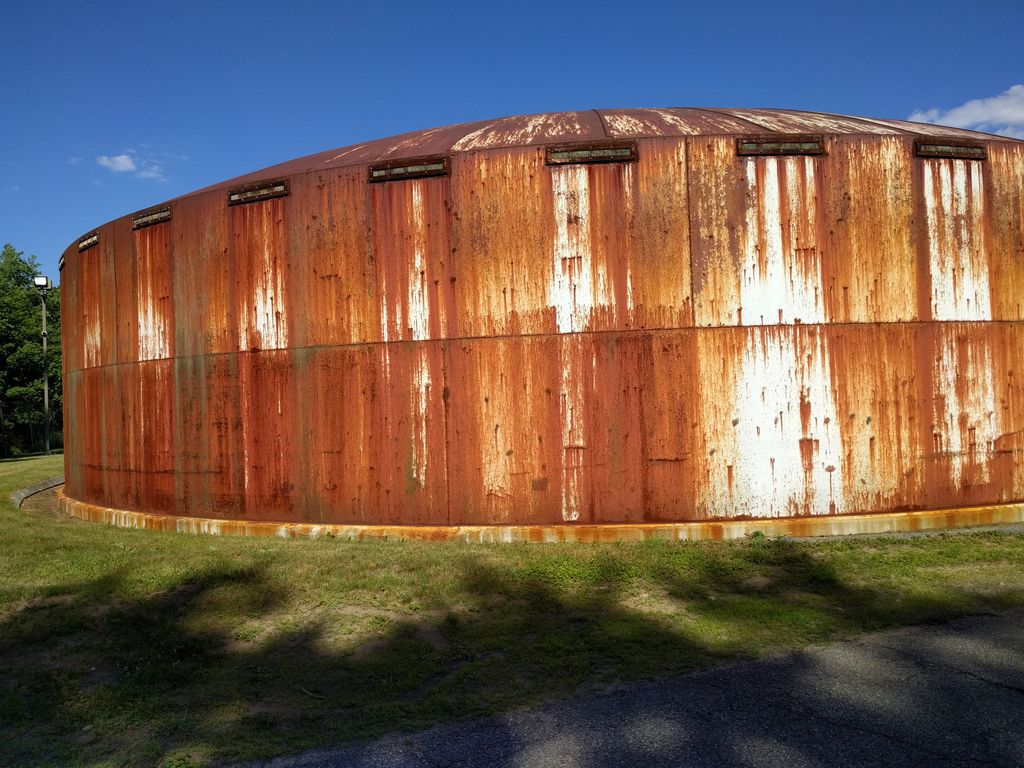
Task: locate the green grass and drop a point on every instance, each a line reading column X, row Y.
column 123, row 647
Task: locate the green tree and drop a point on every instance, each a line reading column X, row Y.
column 21, row 356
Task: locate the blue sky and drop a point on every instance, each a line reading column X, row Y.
column 111, row 107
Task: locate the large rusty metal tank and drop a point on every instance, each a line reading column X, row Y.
column 560, row 322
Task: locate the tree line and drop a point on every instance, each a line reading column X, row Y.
column 22, row 424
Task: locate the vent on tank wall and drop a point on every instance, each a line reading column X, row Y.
column 253, row 193
column 957, row 150
column 150, row 218
column 755, row 146
column 416, row 168
column 621, row 152
column 87, row 242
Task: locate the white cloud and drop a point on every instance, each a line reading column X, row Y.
column 1002, row 114
column 116, row 163
column 151, row 170
column 140, row 161
column 74, row 160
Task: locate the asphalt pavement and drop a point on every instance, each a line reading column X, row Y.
column 937, row 695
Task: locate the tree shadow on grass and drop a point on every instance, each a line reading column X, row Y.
column 94, row 676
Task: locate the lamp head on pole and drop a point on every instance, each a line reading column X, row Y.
column 42, row 282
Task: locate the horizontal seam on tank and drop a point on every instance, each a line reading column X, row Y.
column 507, row 337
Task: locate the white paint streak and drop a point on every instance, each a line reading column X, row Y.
column 500, row 134
column 153, row 336
column 955, row 208
column 776, row 285
column 571, row 289
column 420, row 396
column 966, row 414
column 629, row 215
column 627, row 125
column 779, row 465
column 675, row 121
column 809, row 122
column 419, row 308
column 346, row 151
column 576, row 372
column 91, row 340
column 496, row 460
column 263, row 321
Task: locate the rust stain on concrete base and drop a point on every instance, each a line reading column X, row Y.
column 839, row 525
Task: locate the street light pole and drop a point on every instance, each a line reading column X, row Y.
column 43, row 284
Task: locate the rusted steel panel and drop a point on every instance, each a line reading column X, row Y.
column 954, row 248
column 140, row 443
column 667, row 428
column 572, row 247
column 335, row 282
column 411, row 245
column 259, row 257
column 966, row 420
column 268, row 441
column 128, row 311
column 97, row 301
column 656, row 249
column 505, row 430
column 879, row 386
column 154, row 265
column 103, row 304
column 74, row 434
column 336, row 428
column 1008, row 367
column 849, row 419
column 554, row 429
column 758, row 228
column 770, row 441
column 101, row 394
column 587, row 278
column 502, row 242
column 407, row 451
column 203, row 277
column 1004, row 194
column 869, row 255
column 717, row 191
column 209, row 456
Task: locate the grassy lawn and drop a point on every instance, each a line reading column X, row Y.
column 122, row 647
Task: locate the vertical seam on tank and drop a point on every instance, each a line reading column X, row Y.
column 604, row 126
